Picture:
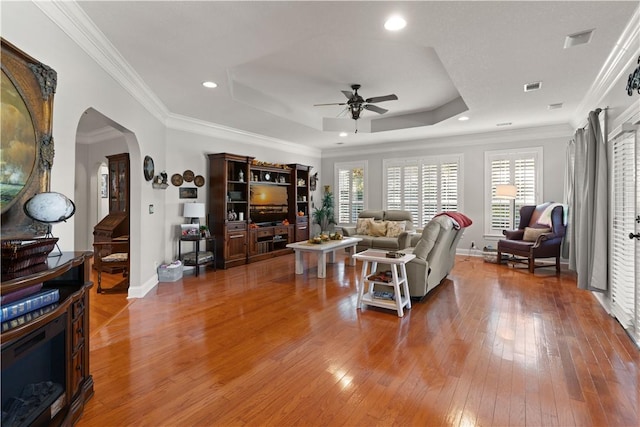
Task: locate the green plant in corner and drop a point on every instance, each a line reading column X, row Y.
column 323, row 216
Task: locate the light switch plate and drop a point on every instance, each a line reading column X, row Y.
column 150, row 209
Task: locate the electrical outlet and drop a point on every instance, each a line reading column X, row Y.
column 473, row 245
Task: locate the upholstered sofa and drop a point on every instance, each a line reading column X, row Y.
column 380, row 229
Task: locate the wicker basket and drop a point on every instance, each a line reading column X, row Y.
column 19, row 254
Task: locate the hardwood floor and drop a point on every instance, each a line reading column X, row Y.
column 258, row 345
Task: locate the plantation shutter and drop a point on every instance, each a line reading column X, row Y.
column 394, row 187
column 449, row 186
column 520, row 168
column 344, row 194
column 429, row 192
column 424, row 187
column 357, row 193
column 412, row 192
column 623, row 253
column 350, row 199
column 500, row 208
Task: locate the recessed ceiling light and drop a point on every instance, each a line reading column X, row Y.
column 210, row 85
column 395, row 23
column 343, row 134
column 463, row 118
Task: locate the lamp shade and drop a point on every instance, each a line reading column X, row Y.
column 193, row 210
column 49, row 207
column 506, row 191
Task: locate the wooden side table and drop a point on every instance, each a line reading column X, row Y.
column 371, row 258
column 197, row 263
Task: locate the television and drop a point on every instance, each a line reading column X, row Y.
column 268, row 203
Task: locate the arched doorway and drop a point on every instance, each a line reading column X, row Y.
column 97, row 137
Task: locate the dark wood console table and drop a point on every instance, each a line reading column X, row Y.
column 52, row 348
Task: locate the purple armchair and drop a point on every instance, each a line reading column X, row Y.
column 533, row 240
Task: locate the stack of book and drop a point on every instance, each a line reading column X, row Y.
column 24, row 305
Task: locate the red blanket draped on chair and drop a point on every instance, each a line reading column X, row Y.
column 459, row 219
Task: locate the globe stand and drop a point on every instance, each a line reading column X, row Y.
column 49, row 235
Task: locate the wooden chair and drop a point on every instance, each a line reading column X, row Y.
column 533, row 240
column 112, row 256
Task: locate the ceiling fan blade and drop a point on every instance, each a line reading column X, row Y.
column 374, row 108
column 391, row 97
column 334, row 103
column 348, row 94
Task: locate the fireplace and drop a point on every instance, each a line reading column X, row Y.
column 34, row 376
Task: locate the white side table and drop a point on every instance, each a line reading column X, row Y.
column 371, row 258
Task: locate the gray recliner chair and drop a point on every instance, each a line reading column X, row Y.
column 435, row 256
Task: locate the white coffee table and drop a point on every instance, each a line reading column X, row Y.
column 373, row 257
column 322, row 249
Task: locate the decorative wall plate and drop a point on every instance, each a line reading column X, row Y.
column 148, row 168
column 188, row 175
column 176, row 179
column 199, row 181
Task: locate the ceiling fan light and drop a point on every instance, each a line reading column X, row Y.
column 395, row 23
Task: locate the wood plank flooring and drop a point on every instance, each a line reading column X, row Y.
column 259, row 346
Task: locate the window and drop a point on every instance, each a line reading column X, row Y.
column 522, row 168
column 424, row 186
column 350, row 198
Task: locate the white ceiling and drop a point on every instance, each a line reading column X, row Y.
column 274, row 60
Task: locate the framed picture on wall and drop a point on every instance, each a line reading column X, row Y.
column 188, row 193
column 103, row 185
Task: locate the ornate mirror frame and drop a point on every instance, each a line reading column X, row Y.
column 28, row 87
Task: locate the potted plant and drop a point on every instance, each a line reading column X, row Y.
column 323, row 215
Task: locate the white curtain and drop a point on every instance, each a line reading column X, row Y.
column 588, row 208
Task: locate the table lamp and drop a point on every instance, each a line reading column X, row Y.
column 195, row 211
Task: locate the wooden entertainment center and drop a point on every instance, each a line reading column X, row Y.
column 256, row 208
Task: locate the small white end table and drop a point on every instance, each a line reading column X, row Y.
column 371, row 258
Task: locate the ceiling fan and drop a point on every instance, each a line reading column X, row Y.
column 356, row 103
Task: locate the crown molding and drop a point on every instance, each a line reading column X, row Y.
column 201, row 127
column 621, row 59
column 466, row 140
column 78, row 26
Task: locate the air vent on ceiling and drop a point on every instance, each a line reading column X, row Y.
column 504, row 124
column 532, row 86
column 576, row 39
column 554, row 106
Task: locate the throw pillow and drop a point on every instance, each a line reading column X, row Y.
column 395, row 228
column 427, row 240
column 531, row 234
column 362, row 226
column 378, row 229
